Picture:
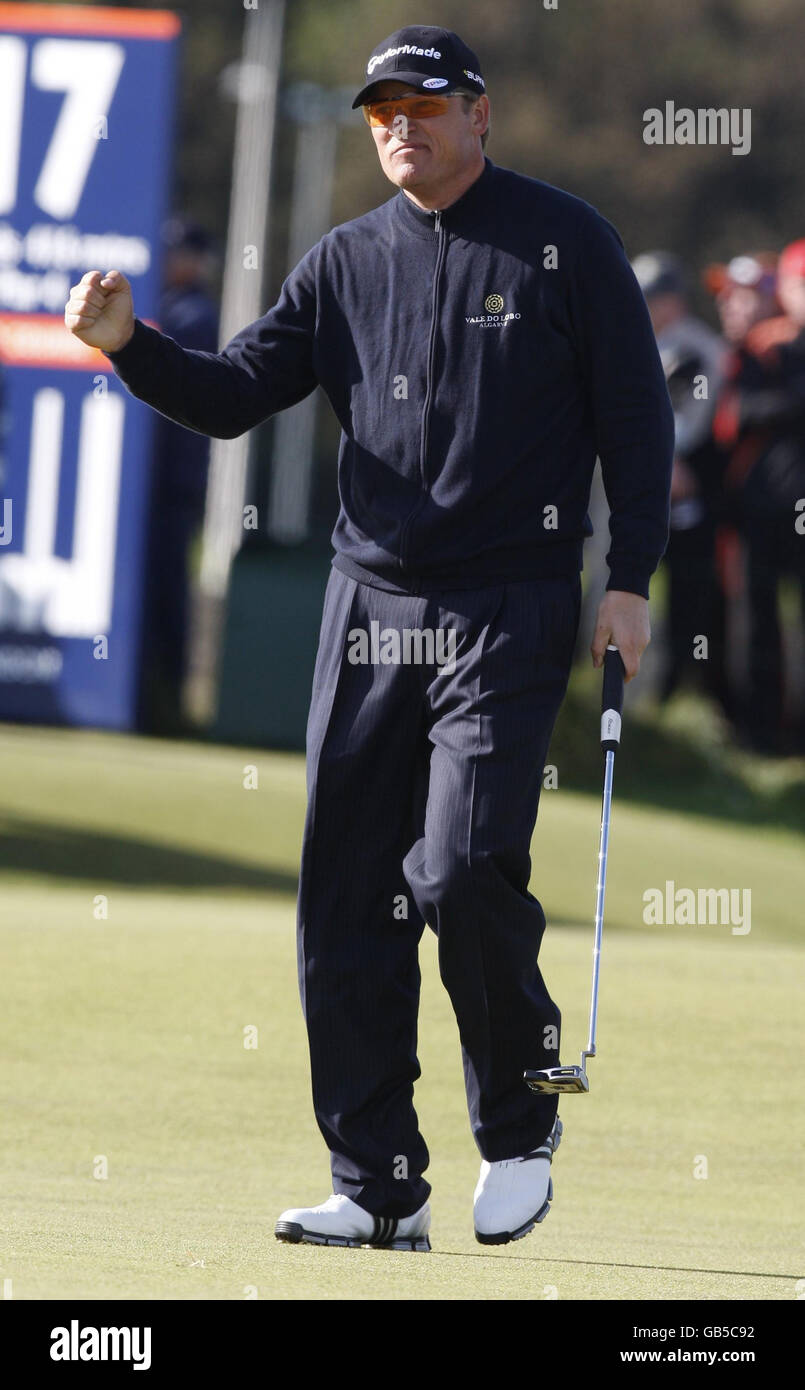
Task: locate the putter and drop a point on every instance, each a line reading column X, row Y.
column 568, row 1079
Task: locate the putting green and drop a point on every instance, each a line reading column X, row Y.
column 124, row 1040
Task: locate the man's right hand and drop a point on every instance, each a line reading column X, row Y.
column 100, row 310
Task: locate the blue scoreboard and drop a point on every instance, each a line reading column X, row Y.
column 86, row 133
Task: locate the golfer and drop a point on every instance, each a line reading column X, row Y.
column 481, row 337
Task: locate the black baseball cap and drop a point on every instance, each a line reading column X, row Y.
column 659, row 272
column 425, row 57
column 183, row 234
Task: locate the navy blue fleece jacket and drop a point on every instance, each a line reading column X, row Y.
column 477, row 359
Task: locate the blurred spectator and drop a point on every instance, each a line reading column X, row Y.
column 189, row 315
column 691, row 354
column 759, row 428
column 3, row 429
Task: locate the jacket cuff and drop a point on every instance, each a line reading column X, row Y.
column 630, row 578
column 133, row 349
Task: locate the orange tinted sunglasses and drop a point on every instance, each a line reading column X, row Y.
column 383, row 112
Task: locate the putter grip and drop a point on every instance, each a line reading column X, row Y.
column 612, row 700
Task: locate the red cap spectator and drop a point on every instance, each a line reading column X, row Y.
column 791, row 282
column 745, row 292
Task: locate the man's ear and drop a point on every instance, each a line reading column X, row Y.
column 481, row 115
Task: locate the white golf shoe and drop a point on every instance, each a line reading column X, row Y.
column 514, row 1194
column 340, row 1221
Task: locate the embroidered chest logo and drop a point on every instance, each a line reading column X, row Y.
column 494, row 317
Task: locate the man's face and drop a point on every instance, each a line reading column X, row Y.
column 422, row 154
column 183, row 266
column 791, row 294
column 665, row 309
column 740, row 307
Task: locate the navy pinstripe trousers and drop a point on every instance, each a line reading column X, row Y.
column 423, row 787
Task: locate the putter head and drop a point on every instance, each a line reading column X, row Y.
column 553, row 1079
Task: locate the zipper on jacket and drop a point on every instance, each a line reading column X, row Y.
column 441, row 236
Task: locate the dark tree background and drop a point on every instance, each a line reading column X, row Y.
column 568, row 89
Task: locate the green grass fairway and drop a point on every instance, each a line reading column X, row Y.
column 123, row 1038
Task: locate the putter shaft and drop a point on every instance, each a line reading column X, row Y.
column 601, row 889
column 565, row 1079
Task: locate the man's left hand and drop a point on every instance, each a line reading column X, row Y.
column 622, row 621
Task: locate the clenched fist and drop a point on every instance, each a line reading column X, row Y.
column 100, row 310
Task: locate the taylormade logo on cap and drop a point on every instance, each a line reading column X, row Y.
column 409, row 55
column 395, row 52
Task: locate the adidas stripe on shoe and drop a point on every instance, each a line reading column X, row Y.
column 340, row 1221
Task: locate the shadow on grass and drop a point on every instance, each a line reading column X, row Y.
column 85, row 855
column 69, row 852
column 612, row 1264
column 572, row 925
column 687, row 770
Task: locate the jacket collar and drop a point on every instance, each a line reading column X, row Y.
column 422, row 223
